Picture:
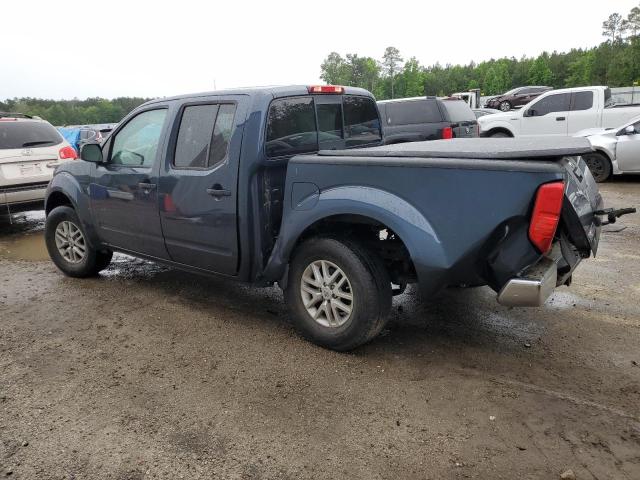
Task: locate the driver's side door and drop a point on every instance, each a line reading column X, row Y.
column 124, row 188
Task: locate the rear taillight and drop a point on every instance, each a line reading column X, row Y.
column 447, row 133
column 546, row 215
column 325, row 89
column 68, row 153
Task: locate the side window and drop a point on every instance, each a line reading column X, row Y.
column 582, row 101
column 204, row 135
column 413, row 112
column 136, row 145
column 222, row 134
column 361, row 121
column 291, row 127
column 553, row 103
column 196, row 127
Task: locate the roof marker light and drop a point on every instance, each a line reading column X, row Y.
column 335, row 89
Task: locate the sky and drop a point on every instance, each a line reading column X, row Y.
column 65, row 49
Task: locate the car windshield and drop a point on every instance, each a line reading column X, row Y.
column 17, row 134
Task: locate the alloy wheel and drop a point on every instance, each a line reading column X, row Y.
column 326, row 293
column 70, row 242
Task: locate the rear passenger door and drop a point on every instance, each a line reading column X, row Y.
column 583, row 113
column 199, row 185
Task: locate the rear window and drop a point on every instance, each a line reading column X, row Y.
column 291, row 127
column 413, row 112
column 16, row 134
column 361, row 121
column 458, row 111
column 330, row 122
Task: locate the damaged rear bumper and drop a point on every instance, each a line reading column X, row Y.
column 533, row 287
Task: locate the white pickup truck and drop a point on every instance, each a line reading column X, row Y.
column 561, row 113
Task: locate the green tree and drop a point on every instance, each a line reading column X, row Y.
column 614, row 27
column 540, row 73
column 335, row 70
column 391, row 61
column 633, row 21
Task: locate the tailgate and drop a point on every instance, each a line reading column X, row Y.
column 582, row 200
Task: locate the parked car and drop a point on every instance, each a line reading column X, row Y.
column 228, row 183
column 481, row 112
column 617, row 150
column 560, row 112
column 29, row 149
column 426, row 118
column 515, row 98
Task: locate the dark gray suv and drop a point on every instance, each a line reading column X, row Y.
column 426, row 118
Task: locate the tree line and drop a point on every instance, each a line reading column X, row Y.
column 615, row 62
column 74, row 112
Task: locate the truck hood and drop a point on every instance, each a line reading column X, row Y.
column 496, row 117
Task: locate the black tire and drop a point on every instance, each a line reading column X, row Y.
column 505, row 106
column 599, row 165
column 500, row 135
column 369, row 283
column 93, row 260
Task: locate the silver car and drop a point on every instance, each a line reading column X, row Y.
column 617, row 150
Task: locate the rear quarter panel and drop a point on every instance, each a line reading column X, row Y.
column 445, row 211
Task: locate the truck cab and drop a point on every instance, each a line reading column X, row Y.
column 196, row 180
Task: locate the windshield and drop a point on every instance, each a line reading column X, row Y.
column 17, row 134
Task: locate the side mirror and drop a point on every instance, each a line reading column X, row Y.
column 91, row 152
column 529, row 113
column 630, row 130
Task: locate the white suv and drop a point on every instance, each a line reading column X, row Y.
column 30, row 148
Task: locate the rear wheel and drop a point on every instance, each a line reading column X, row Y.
column 68, row 246
column 505, row 106
column 599, row 165
column 339, row 294
column 499, row 135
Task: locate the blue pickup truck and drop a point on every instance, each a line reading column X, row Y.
column 292, row 185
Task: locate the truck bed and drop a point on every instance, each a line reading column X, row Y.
column 462, row 207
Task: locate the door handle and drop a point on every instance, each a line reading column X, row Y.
column 217, row 191
column 146, row 186
column 560, row 119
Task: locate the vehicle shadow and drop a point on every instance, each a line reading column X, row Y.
column 456, row 317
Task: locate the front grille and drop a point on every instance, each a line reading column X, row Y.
column 24, row 187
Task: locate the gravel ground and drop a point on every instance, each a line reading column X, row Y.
column 147, row 372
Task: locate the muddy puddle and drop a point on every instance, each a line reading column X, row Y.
column 22, row 237
column 28, row 247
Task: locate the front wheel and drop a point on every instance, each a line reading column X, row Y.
column 505, row 106
column 599, row 165
column 68, row 246
column 339, row 293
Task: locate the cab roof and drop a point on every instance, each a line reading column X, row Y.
column 272, row 91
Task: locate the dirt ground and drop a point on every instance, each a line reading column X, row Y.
column 147, row 372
